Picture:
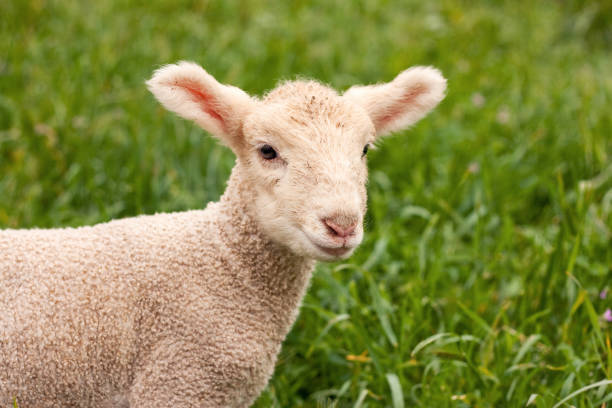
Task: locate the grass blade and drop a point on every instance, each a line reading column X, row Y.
column 396, row 390
column 531, row 341
column 362, row 396
column 427, row 342
column 382, row 312
column 477, row 319
column 581, row 390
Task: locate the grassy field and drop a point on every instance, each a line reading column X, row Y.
column 482, row 278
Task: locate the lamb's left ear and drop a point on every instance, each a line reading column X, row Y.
column 188, row 90
column 400, row 103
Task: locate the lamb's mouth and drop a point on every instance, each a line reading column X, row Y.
column 332, row 252
column 335, row 252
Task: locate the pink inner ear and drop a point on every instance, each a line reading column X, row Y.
column 206, row 101
column 400, row 105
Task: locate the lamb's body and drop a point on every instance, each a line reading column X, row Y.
column 88, row 314
column 190, row 309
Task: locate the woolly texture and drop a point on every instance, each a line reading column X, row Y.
column 190, row 309
column 183, row 309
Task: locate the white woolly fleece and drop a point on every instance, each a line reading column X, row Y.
column 170, row 310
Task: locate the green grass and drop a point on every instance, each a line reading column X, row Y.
column 489, row 227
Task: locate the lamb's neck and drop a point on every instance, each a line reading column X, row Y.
column 268, row 269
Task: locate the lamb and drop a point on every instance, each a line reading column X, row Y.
column 190, row 309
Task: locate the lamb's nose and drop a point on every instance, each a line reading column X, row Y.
column 340, row 226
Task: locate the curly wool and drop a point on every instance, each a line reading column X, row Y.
column 93, row 316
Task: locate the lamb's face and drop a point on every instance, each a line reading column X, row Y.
column 305, row 154
column 303, row 146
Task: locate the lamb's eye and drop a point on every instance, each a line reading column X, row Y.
column 365, row 150
column 268, row 152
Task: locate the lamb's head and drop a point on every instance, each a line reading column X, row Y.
column 302, row 148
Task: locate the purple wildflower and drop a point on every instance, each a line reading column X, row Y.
column 603, row 293
column 608, row 315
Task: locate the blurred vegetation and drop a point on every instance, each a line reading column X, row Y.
column 481, row 281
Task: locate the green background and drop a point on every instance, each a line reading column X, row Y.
column 489, row 229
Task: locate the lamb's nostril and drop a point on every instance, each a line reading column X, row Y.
column 339, row 230
column 330, row 229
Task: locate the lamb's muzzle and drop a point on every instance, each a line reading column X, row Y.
column 190, row 309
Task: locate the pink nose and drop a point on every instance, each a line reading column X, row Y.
column 340, row 228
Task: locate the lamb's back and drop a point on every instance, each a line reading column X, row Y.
column 75, row 301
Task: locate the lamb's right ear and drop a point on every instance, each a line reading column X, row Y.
column 188, row 90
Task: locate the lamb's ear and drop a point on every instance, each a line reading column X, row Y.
column 188, row 90
column 400, row 103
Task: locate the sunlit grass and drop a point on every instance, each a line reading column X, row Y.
column 488, row 239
